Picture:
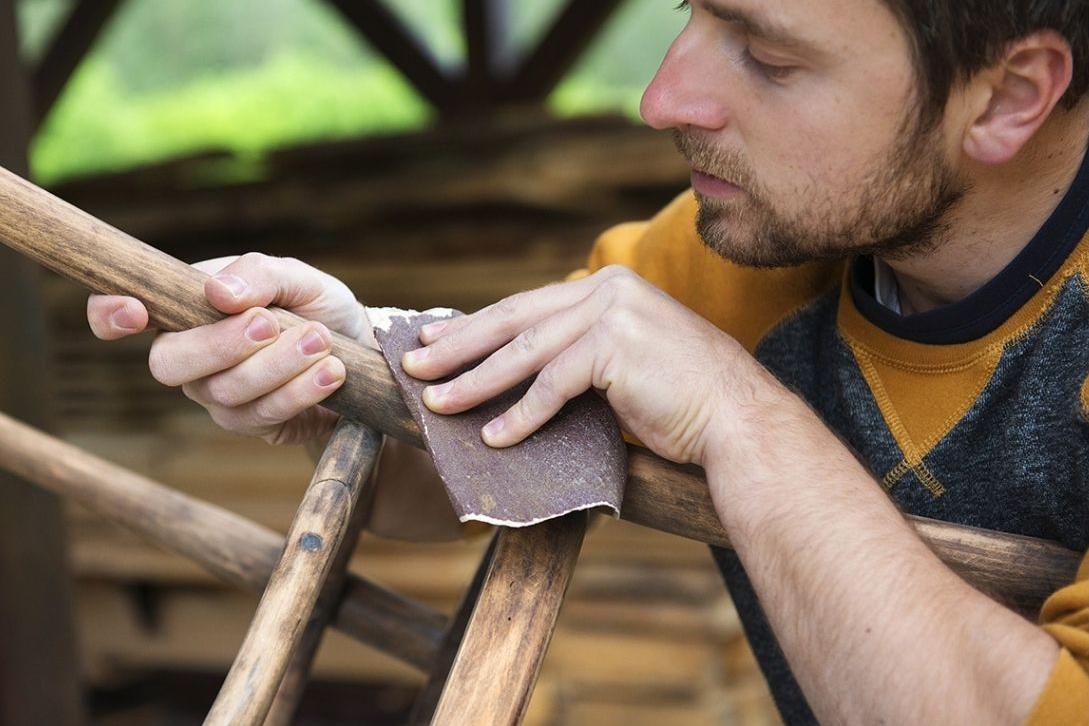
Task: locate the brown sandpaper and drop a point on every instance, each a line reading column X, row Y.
column 575, row 461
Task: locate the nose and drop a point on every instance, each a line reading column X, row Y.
column 682, row 92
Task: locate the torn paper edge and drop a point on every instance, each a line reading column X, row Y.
column 613, row 512
column 382, row 318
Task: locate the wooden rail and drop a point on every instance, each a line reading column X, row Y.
column 1019, row 571
column 233, row 548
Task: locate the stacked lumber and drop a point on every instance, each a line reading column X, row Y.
column 459, row 216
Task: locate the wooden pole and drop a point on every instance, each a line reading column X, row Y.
column 423, row 710
column 313, row 543
column 496, row 667
column 229, row 546
column 1019, row 571
column 39, row 666
column 293, row 685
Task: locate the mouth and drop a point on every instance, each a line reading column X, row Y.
column 710, row 185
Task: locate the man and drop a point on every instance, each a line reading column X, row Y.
column 879, row 294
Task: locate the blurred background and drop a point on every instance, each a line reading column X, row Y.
column 427, row 152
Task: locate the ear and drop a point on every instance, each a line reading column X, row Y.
column 1017, row 95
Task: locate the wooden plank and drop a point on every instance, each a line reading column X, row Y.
column 571, row 34
column 233, row 548
column 423, row 710
column 69, row 45
column 314, row 541
column 39, row 678
column 505, row 642
column 389, row 36
column 1019, row 571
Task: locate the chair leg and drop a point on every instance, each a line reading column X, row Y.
column 313, row 542
column 423, row 710
column 290, row 693
column 496, row 667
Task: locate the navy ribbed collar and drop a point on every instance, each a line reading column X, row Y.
column 991, row 305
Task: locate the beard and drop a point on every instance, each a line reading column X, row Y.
column 896, row 211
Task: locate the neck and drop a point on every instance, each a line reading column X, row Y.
column 1004, row 208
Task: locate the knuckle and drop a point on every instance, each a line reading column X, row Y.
column 618, row 321
column 265, row 413
column 526, row 342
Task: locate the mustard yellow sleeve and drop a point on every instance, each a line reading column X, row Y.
column 1065, row 616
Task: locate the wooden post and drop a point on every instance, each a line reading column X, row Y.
column 39, row 670
column 507, row 638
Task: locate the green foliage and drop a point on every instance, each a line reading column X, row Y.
column 173, row 78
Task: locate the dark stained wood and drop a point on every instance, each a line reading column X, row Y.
column 571, row 33
column 397, row 43
column 486, row 32
column 229, row 546
column 505, row 642
column 39, row 676
column 315, row 539
column 423, row 710
column 1017, row 570
column 66, row 51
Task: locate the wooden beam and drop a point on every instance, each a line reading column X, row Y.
column 562, row 45
column 67, row 50
column 39, row 671
column 389, row 36
column 486, row 35
column 1019, row 571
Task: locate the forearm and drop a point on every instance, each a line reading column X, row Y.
column 874, row 626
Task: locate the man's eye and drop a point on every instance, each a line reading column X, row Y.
column 769, row 70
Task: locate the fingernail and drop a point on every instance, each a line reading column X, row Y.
column 121, row 319
column 419, row 355
column 235, row 284
column 260, row 329
column 435, row 394
column 326, row 376
column 433, row 328
column 494, row 428
column 312, row 343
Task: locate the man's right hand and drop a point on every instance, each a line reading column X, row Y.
column 252, row 378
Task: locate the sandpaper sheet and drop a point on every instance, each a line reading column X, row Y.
column 575, row 461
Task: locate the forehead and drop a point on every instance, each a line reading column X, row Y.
column 830, row 27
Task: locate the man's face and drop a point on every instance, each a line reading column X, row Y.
column 799, row 120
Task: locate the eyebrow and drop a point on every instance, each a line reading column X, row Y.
column 754, row 26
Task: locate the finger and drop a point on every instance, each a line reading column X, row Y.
column 529, row 352
column 271, row 367
column 115, row 316
column 470, row 337
column 269, row 412
column 259, row 280
column 569, row 375
column 186, row 356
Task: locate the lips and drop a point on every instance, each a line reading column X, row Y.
column 710, row 185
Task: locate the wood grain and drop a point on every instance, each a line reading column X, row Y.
column 231, row 547
column 1019, row 571
column 423, row 710
column 313, row 542
column 505, row 642
column 293, row 683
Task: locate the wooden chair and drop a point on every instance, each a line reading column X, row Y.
column 484, row 661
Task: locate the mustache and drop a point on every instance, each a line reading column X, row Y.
column 706, row 157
